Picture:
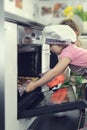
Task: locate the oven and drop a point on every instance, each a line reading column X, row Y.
column 29, row 69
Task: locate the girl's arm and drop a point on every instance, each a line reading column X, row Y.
column 58, row 69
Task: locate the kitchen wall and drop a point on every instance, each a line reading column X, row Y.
column 32, row 9
column 25, row 8
column 49, row 18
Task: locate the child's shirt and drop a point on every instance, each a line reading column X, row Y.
column 78, row 58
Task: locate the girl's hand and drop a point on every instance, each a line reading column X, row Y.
column 30, row 87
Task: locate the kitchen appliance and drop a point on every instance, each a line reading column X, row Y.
column 29, row 69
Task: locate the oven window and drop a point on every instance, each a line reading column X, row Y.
column 29, row 64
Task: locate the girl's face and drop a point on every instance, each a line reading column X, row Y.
column 56, row 49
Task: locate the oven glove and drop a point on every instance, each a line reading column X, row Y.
column 57, row 80
column 58, row 96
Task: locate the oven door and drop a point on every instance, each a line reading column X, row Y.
column 29, row 64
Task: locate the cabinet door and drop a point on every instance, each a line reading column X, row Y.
column 45, row 60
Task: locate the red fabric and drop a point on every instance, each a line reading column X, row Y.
column 58, row 96
column 59, row 79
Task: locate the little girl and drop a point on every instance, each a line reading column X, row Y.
column 61, row 39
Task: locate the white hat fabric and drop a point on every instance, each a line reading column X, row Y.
column 58, row 34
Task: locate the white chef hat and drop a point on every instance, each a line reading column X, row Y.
column 59, row 34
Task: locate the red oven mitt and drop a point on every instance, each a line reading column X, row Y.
column 59, row 96
column 59, row 79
